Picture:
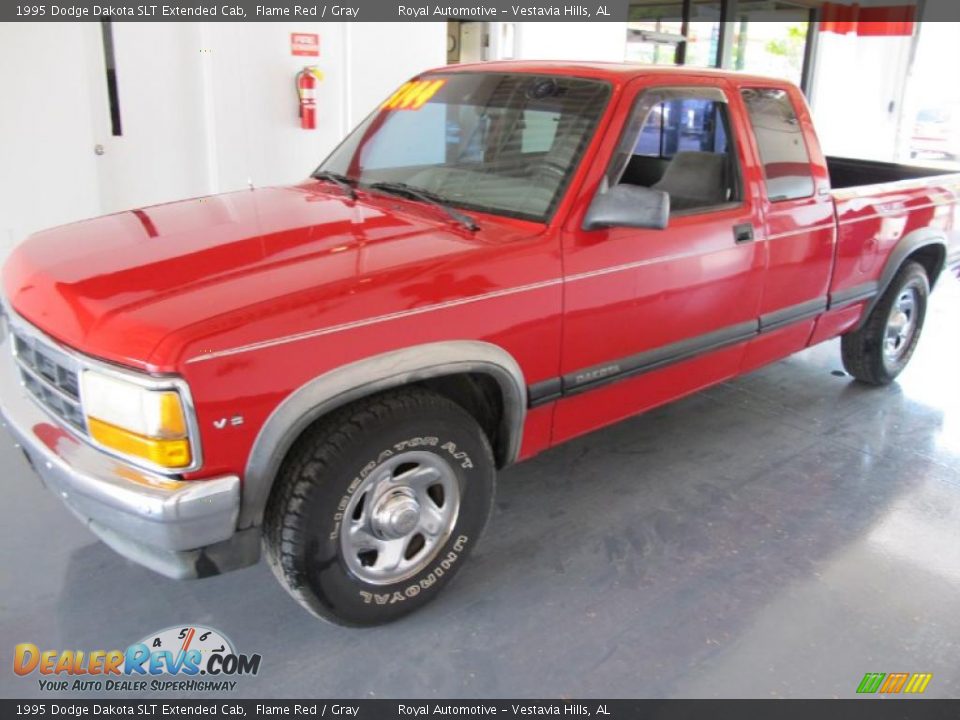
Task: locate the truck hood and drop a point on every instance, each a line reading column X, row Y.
column 138, row 287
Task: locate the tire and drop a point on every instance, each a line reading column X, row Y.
column 339, row 527
column 880, row 350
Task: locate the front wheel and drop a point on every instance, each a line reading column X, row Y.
column 882, row 347
column 377, row 507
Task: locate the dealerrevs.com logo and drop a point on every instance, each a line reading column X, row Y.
column 177, row 659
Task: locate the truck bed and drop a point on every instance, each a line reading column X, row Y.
column 853, row 172
column 879, row 203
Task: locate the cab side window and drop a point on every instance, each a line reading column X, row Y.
column 680, row 143
column 783, row 152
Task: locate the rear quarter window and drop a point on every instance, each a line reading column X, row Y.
column 783, row 152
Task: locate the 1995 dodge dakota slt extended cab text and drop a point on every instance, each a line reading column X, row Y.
column 500, row 258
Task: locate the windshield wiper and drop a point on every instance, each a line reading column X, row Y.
column 341, row 181
column 399, row 188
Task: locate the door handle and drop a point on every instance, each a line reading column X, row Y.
column 743, row 233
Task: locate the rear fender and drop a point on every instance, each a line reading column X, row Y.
column 907, row 246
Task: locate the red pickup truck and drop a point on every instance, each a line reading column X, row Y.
column 500, row 258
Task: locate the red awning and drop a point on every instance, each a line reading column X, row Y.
column 877, row 21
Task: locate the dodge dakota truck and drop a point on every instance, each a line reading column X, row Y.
column 500, row 258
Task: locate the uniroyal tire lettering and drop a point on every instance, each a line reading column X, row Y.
column 378, row 598
column 424, row 583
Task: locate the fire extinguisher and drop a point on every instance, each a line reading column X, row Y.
column 307, row 80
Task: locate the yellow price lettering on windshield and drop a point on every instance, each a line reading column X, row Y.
column 412, row 95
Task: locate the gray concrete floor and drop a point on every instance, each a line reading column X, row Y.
column 779, row 535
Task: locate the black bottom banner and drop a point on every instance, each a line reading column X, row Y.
column 872, row 709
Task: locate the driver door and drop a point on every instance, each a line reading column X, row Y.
column 651, row 315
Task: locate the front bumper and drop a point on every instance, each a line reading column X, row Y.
column 178, row 528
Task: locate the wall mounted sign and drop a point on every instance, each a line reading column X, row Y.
column 305, row 44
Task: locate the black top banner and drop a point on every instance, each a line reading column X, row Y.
column 361, row 10
column 345, row 11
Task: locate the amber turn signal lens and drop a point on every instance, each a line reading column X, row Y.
column 161, row 452
column 171, row 423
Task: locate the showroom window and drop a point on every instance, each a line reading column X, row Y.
column 766, row 37
column 929, row 122
column 783, row 152
column 660, row 33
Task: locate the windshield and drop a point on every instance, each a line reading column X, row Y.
column 500, row 143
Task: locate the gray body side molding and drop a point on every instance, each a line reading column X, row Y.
column 907, row 245
column 366, row 377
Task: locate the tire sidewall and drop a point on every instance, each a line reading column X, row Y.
column 336, row 592
column 912, row 275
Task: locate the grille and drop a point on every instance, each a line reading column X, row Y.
column 50, row 376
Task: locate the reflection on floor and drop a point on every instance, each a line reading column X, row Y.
column 780, row 535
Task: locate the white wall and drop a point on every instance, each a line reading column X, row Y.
column 46, row 147
column 160, row 154
column 254, row 110
column 571, row 41
column 252, row 102
column 382, row 55
column 206, row 107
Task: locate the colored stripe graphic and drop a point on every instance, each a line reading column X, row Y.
column 918, row 682
column 894, row 683
column 871, row 682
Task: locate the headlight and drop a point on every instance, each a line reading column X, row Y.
column 137, row 421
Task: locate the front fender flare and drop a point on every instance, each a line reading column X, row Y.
column 365, row 377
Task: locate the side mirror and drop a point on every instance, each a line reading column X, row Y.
column 628, row 206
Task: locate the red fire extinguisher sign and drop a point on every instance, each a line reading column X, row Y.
column 305, row 44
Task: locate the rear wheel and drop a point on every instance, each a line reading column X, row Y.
column 377, row 507
column 882, row 347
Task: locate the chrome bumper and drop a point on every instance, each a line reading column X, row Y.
column 174, row 527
